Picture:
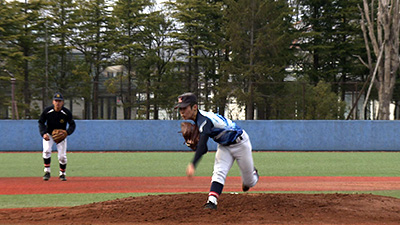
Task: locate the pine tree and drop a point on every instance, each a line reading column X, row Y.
column 20, row 45
column 201, row 38
column 260, row 36
column 130, row 18
column 93, row 37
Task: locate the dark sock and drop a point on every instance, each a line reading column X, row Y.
column 63, row 167
column 47, row 162
column 215, row 189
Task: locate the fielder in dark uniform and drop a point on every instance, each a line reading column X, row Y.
column 233, row 144
column 55, row 117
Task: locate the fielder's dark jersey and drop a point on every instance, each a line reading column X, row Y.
column 221, row 130
column 50, row 120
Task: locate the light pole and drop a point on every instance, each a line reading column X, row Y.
column 13, row 105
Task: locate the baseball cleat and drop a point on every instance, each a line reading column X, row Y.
column 256, row 173
column 210, row 205
column 63, row 178
column 246, row 188
column 46, row 176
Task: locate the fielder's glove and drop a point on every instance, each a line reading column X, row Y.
column 59, row 135
column 191, row 134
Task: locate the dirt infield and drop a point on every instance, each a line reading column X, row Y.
column 233, row 208
column 35, row 185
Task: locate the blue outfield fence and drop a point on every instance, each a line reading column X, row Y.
column 163, row 135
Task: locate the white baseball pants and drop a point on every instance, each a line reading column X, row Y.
column 226, row 155
column 61, row 149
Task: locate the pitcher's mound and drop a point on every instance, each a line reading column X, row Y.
column 232, row 209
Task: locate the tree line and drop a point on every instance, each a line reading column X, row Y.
column 278, row 59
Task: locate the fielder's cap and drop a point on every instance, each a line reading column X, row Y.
column 58, row 96
column 186, row 99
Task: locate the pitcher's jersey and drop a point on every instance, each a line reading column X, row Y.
column 219, row 128
column 222, row 130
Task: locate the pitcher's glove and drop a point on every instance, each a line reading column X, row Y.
column 191, row 134
column 59, row 135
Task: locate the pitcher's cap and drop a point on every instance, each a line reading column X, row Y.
column 186, row 99
column 58, row 96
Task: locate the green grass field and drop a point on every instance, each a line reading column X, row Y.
column 104, row 164
column 131, row 164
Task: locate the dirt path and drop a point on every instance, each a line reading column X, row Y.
column 35, row 185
